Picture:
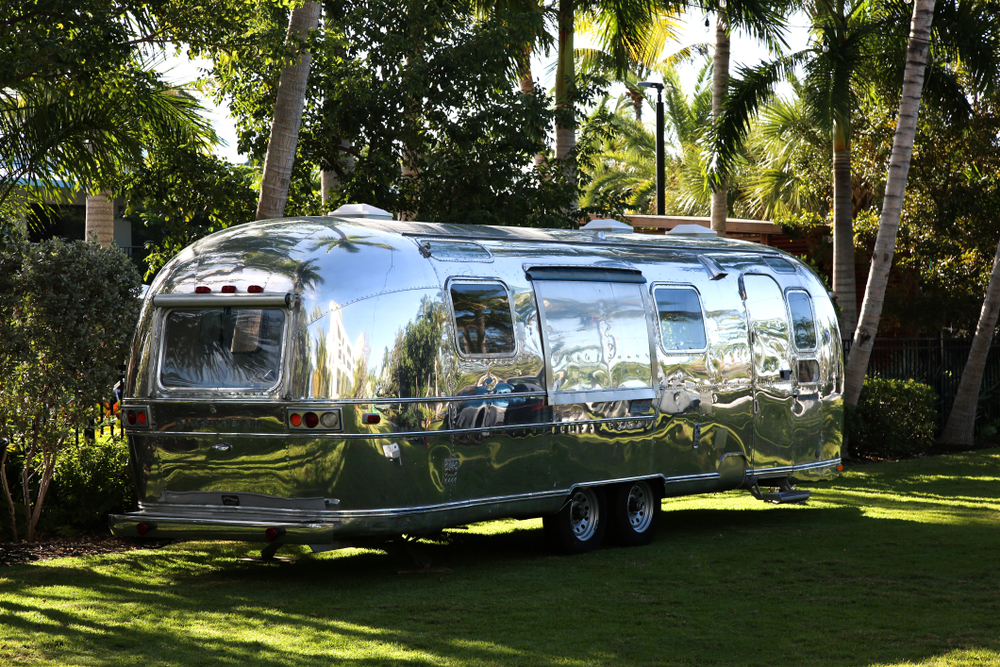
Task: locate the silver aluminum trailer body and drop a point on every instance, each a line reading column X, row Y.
column 393, row 378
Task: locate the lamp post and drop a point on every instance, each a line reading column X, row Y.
column 660, row 181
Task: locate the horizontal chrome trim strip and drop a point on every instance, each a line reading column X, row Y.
column 788, row 470
column 396, row 434
column 703, row 477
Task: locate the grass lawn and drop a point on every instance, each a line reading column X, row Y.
column 891, row 564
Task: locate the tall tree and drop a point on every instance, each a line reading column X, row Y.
column 917, row 50
column 288, row 108
column 962, row 420
column 720, row 86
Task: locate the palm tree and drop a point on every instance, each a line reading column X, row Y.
column 917, row 50
column 853, row 52
column 281, row 145
column 622, row 164
column 623, row 26
column 52, row 133
column 962, row 420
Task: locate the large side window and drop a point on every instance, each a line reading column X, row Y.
column 803, row 323
column 682, row 325
column 483, row 322
column 596, row 339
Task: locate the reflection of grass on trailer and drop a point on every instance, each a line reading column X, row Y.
column 434, row 375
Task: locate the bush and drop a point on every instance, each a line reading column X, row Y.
column 893, row 419
column 91, row 480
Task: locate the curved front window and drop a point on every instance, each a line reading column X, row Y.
column 222, row 348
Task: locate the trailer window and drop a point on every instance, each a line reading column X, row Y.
column 224, row 348
column 682, row 325
column 483, row 322
column 803, row 325
column 596, row 339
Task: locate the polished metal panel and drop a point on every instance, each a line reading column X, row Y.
column 428, row 433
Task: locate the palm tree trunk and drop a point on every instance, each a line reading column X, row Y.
column 720, row 87
column 287, row 118
column 895, row 187
column 565, row 78
column 844, row 281
column 528, row 87
column 962, row 420
column 100, row 225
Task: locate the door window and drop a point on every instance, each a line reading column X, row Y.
column 682, row 325
column 803, row 324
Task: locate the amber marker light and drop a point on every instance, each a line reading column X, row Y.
column 840, row 467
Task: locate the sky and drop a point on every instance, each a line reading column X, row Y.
column 744, row 50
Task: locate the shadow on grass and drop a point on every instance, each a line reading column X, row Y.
column 871, row 574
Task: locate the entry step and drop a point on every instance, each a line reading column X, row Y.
column 781, row 495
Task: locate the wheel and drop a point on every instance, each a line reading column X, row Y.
column 633, row 513
column 579, row 526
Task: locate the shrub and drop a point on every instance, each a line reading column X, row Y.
column 69, row 312
column 90, row 481
column 893, row 418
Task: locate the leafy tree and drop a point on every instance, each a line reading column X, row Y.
column 183, row 194
column 69, row 317
column 425, row 86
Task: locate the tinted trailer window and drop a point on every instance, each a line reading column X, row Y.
column 225, row 348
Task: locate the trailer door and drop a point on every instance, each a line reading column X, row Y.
column 772, row 371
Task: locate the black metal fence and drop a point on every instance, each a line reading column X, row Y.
column 938, row 362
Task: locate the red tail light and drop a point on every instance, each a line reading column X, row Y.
column 228, row 289
column 201, row 289
column 143, row 528
column 255, row 289
column 130, row 416
column 311, row 419
column 370, row 418
column 272, row 533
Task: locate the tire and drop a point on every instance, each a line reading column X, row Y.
column 580, row 525
column 633, row 513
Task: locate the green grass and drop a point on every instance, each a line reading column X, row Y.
column 891, row 564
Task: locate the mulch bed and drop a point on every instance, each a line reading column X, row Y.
column 19, row 553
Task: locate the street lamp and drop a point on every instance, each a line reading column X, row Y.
column 659, row 143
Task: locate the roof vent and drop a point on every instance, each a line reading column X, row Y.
column 691, row 230
column 361, row 211
column 607, row 225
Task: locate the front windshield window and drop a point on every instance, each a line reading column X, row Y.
column 223, row 348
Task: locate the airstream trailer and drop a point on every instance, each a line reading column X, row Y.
column 331, row 381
